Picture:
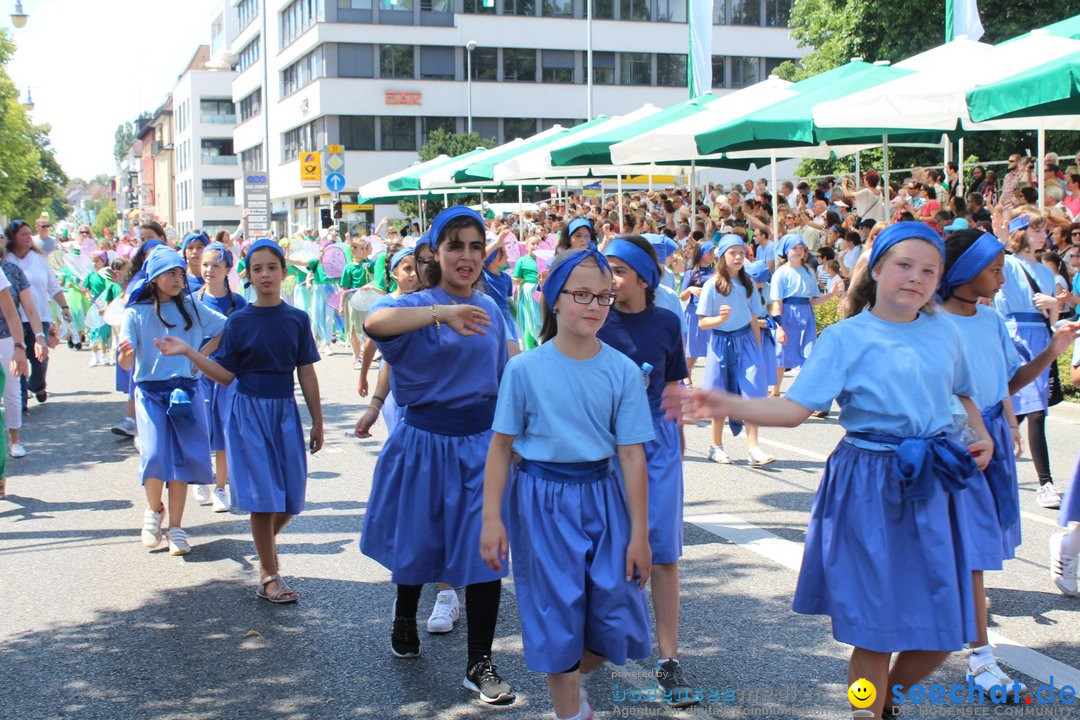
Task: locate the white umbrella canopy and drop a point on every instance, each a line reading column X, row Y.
column 675, row 142
column 935, row 99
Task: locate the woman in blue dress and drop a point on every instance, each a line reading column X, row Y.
column 696, row 342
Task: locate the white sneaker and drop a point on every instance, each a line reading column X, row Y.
column 125, row 427
column 989, row 675
column 202, row 494
column 220, row 500
column 357, row 364
column 758, row 457
column 17, row 450
column 326, row 350
column 717, row 455
column 109, row 362
column 445, row 613
column 94, row 362
column 178, row 544
column 151, row 529
column 1062, row 566
column 1048, row 497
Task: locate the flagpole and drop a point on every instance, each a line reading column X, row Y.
column 588, row 58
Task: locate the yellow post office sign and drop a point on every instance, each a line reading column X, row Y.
column 310, row 169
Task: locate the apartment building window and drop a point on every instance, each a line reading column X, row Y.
column 218, row 152
column 778, row 12
column 180, row 118
column 398, row 133
column 247, row 11
column 439, row 6
column 479, row 7
column 218, row 192
column 356, row 60
column 249, row 55
column 297, row 17
column 558, row 8
column 437, row 63
column 518, row 128
column 486, row 127
column 217, row 112
column 603, row 68
column 745, row 71
column 217, row 36
column 548, row 123
column 671, row 10
column 251, row 160
column 396, row 61
column 557, row 66
column 485, row 64
column 304, row 71
column 718, row 71
column 354, row 4
column 603, row 9
column 670, row 70
column 519, row 7
column 636, row 68
column 519, row 65
column 744, row 12
column 357, row 132
column 396, row 6
column 429, row 125
column 251, row 105
column 635, row 10
column 306, row 138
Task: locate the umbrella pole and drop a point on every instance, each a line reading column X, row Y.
column 618, row 188
column 693, row 189
column 1039, row 172
column 885, row 177
column 858, row 172
column 520, row 202
column 775, row 199
column 445, row 200
column 960, row 165
column 420, row 207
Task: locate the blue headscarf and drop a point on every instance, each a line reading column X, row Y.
column 261, row 244
column 635, row 257
column 559, row 274
column 162, row 260
column 707, row 246
column 226, row 255
column 901, row 231
column 425, row 239
column 662, row 244
column 788, row 243
column 971, row 262
column 758, row 271
column 578, row 223
column 435, row 232
column 192, row 237
column 1020, row 222
column 399, row 256
column 727, row 242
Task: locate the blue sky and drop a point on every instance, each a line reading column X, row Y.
column 93, row 64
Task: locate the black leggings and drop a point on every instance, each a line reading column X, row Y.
column 481, row 613
column 1040, row 455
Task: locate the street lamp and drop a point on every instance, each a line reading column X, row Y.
column 469, row 47
column 18, row 18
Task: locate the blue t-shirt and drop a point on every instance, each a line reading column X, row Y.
column 889, row 378
column 195, row 283
column 439, row 366
column 222, row 304
column 743, row 309
column 1015, row 295
column 141, row 326
column 565, row 410
column 275, row 339
column 991, row 354
column 668, row 299
column 788, row 282
column 499, row 288
column 652, row 336
column 695, row 278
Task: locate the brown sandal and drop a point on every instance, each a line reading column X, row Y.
column 284, row 594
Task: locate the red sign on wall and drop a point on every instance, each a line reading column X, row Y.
column 394, row 97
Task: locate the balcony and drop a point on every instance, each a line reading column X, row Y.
column 219, row 159
column 216, row 200
column 215, row 119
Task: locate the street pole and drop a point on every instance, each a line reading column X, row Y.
column 469, row 47
column 588, row 59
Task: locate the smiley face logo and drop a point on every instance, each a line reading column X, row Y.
column 862, row 693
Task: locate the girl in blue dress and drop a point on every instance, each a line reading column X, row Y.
column 651, row 336
column 793, row 293
column 973, row 269
column 576, row 234
column 884, row 557
column 696, row 342
column 192, row 249
column 263, row 346
column 1029, row 307
column 728, row 308
column 580, row 537
column 170, row 414
column 217, row 261
column 759, row 272
column 499, row 285
column 447, row 345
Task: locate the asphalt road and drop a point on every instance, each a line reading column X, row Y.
column 94, row 626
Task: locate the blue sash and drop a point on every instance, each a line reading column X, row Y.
column 1028, row 317
column 458, row 422
column 174, row 394
column 797, row 300
column 727, row 358
column 922, row 464
column 575, row 472
column 997, row 473
column 266, row 384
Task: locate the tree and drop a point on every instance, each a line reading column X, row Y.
column 442, row 142
column 104, row 216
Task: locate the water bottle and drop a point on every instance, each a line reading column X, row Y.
column 646, row 372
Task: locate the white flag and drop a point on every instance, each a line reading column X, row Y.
column 699, row 65
column 962, row 18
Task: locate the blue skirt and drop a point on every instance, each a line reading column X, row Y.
column 1030, row 340
column 1070, row 504
column 984, row 546
column 1001, row 477
column 124, row 383
column 569, row 543
column 798, row 322
column 892, row 574
column 696, row 342
column 264, row 444
column 768, row 352
column 749, row 370
column 424, row 514
column 171, row 448
column 663, row 455
column 217, row 397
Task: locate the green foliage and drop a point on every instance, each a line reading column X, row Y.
column 1072, row 393
column 441, row 142
column 105, row 217
column 827, row 313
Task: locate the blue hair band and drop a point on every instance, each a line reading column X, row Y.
column 971, row 262
column 162, row 260
column 399, row 256
column 901, row 231
column 727, row 242
column 1020, row 222
column 788, row 243
column 226, row 255
column 578, row 223
column 636, row 258
column 758, row 271
column 560, row 273
column 438, row 225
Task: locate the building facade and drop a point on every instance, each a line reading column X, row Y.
column 377, row 76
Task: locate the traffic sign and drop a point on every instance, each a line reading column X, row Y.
column 310, row 169
column 335, row 182
column 257, row 202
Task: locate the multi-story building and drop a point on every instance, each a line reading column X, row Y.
column 377, row 76
column 205, row 164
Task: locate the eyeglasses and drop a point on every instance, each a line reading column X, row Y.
column 84, row 232
column 584, row 297
column 45, row 225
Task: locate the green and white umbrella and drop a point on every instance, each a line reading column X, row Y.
column 1050, row 89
